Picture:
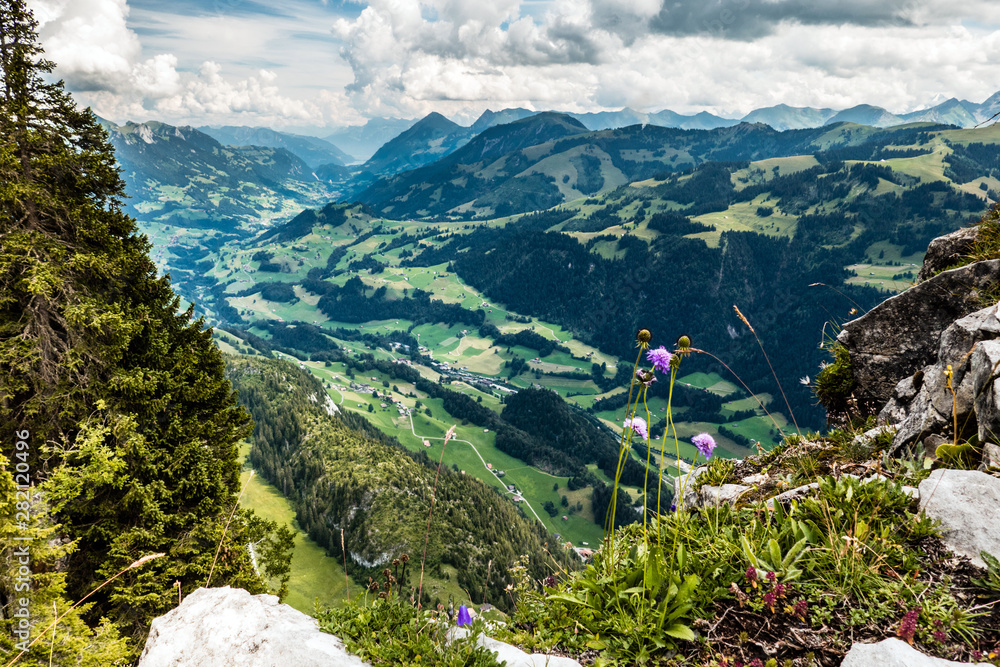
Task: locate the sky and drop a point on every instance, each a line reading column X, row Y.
column 322, row 64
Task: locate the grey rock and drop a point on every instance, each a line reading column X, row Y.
column 932, row 442
column 791, row 494
column 930, row 409
column 759, row 478
column 967, row 502
column 691, row 497
column 229, row 627
column 514, row 656
column 991, row 456
column 895, row 653
column 946, row 251
column 717, row 495
column 902, row 334
column 986, row 386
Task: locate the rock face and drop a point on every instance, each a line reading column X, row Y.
column 923, row 404
column 894, row 653
column 986, row 366
column 967, row 502
column 946, row 251
column 229, row 627
column 902, row 334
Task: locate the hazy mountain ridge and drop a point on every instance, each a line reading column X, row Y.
column 962, row 113
column 312, row 150
column 362, row 141
column 183, row 177
column 428, row 140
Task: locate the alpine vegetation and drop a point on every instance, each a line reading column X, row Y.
column 119, row 429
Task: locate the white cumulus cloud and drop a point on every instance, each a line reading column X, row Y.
column 101, row 59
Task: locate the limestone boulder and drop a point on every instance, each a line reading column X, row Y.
column 718, row 495
column 895, row 653
column 514, row 656
column 902, row 335
column 229, row 627
column 967, row 503
column 986, row 385
column 948, row 250
column 687, row 483
column 991, row 456
column 923, row 405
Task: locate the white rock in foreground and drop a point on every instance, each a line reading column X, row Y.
column 895, row 653
column 967, row 502
column 229, row 627
column 513, row 656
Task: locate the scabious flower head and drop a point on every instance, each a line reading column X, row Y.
column 645, row 378
column 705, row 444
column 660, row 358
column 642, row 338
column 638, row 425
column 463, row 616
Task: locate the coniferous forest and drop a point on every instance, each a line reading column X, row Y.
column 119, row 428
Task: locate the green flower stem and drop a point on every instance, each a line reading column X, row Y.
column 663, row 443
column 609, row 521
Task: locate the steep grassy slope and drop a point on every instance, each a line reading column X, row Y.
column 342, row 473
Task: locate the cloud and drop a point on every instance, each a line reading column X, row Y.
column 407, row 54
column 752, row 19
column 410, row 57
column 102, row 61
column 238, row 62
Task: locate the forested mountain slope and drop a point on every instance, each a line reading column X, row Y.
column 342, row 473
column 547, row 159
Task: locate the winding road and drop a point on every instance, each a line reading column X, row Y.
column 414, row 432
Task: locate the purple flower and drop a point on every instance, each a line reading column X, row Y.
column 660, row 358
column 638, row 425
column 705, row 444
column 463, row 616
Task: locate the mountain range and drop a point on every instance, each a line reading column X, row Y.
column 312, row 150
column 434, row 136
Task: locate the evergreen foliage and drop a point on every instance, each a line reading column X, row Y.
column 132, row 427
column 340, row 472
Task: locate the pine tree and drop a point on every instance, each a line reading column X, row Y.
column 133, row 427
